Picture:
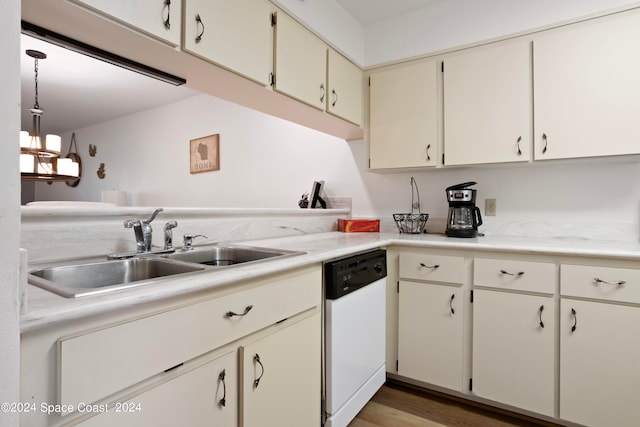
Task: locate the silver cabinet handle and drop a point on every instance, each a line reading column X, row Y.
column 505, row 272
column 433, row 267
column 223, row 401
column 199, row 21
column 544, row 138
column 256, row 359
column 247, row 309
column 451, row 303
column 518, row 144
column 540, row 310
column 427, row 152
column 167, row 22
column 335, row 97
column 322, row 96
column 604, row 282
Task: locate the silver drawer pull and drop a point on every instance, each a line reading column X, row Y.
column 519, row 273
column 618, row 283
column 246, row 310
column 429, row 266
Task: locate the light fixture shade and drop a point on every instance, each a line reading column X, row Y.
column 53, row 143
column 25, row 139
column 26, row 163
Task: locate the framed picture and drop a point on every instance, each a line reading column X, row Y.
column 204, row 154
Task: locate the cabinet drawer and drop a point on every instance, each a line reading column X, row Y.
column 515, row 275
column 97, row 364
column 434, row 268
column 613, row 284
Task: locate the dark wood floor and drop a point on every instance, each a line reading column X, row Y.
column 399, row 405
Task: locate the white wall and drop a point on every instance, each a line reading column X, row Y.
column 10, row 206
column 268, row 162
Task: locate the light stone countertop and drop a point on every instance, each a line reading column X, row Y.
column 45, row 308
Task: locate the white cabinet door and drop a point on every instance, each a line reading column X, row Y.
column 599, row 363
column 280, row 377
column 159, row 18
column 430, row 328
column 487, row 105
column 204, row 396
column 235, row 34
column 513, row 353
column 403, row 117
column 586, row 85
column 300, row 62
column 344, row 85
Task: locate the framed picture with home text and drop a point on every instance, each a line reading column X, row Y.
column 204, row 154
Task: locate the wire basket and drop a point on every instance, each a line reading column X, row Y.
column 412, row 222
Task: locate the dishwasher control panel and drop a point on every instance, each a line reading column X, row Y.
column 345, row 275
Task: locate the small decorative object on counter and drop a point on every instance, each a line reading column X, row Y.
column 349, row 225
column 415, row 221
column 304, row 201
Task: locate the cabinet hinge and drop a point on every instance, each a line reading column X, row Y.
column 442, row 67
column 274, row 19
column 398, row 288
column 397, row 365
column 369, row 81
column 443, row 158
column 472, row 297
column 470, row 384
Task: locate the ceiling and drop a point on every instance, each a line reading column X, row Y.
column 76, row 91
column 369, row 12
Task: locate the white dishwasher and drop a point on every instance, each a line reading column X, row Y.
column 354, row 334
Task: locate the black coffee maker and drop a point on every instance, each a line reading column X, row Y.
column 464, row 216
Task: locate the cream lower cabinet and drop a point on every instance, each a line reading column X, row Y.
column 430, row 319
column 514, row 349
column 280, row 377
column 487, row 105
column 600, row 350
column 235, row 34
column 172, row 356
column 403, row 117
column 161, row 19
column 514, row 333
column 204, row 396
column 586, row 81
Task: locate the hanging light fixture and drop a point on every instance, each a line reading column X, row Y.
column 40, row 157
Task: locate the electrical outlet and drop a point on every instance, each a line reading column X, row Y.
column 490, row 207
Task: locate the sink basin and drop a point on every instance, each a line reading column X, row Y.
column 89, row 279
column 227, row 255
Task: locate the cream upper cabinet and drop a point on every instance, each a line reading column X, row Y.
column 159, row 18
column 586, row 86
column 487, row 105
column 403, row 117
column 344, row 86
column 280, row 377
column 235, row 34
column 300, row 62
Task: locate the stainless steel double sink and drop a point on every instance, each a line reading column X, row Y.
column 81, row 279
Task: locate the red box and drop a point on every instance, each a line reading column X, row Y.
column 348, row 225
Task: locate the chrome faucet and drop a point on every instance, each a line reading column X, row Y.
column 168, row 234
column 143, row 231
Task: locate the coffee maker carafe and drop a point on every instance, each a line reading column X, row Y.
column 464, row 216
